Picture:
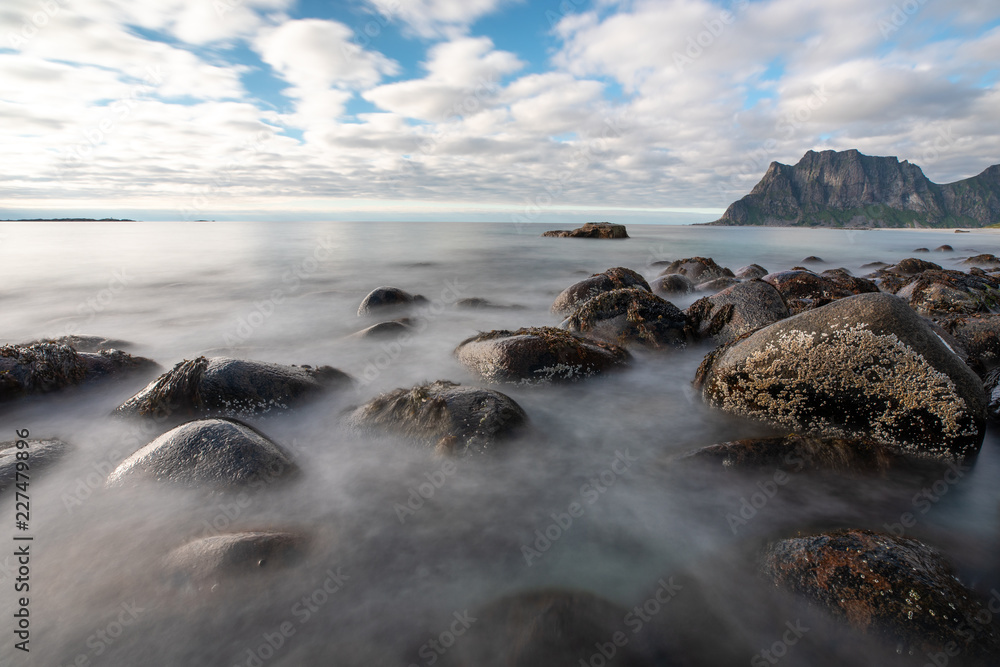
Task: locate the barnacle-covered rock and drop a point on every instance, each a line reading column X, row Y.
column 742, row 308
column 698, row 269
column 612, row 279
column 630, row 316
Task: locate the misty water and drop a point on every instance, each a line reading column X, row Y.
column 394, row 580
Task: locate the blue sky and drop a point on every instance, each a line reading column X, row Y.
column 558, row 111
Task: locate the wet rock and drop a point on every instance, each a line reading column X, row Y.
column 387, row 298
column 991, row 385
column 448, row 417
column 813, row 259
column 554, row 628
column 475, row 303
column 592, row 230
column 922, row 250
column 537, row 354
column 236, row 387
column 751, row 272
column 698, row 269
column 862, row 367
column 895, row 588
column 937, row 293
column 874, row 265
column 41, row 368
column 913, row 266
column 630, row 316
column 87, row 343
column 799, row 453
column 717, row 285
column 41, row 454
column 215, row 453
column 206, row 561
column 804, row 290
column 985, row 260
column 944, row 248
column 736, row 311
column 979, row 337
column 672, row 285
column 385, row 329
column 612, row 279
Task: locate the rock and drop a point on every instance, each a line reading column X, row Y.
column 937, row 293
column 612, row 279
column 630, row 316
column 751, row 272
column 862, row 367
column 204, row 562
column 874, row 265
column 41, row 368
column 922, row 250
column 979, row 336
column 86, row 343
column 804, row 290
column 217, row 453
column 541, row 354
column 984, row 260
column 895, row 588
column 41, row 454
column 387, row 298
column 235, row 387
column 736, row 311
column 549, row 627
column 944, row 248
column 717, row 285
column 672, row 285
column 475, row 303
column 799, row 453
column 913, row 266
column 962, row 231
column 991, row 385
column 698, row 269
column 450, row 418
column 592, row 230
column 385, row 329
column 813, row 259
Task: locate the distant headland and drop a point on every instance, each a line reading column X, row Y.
column 70, row 220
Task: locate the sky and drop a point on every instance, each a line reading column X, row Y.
column 504, row 110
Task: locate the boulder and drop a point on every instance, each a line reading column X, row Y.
column 895, row 588
column 206, row 561
column 985, row 260
column 799, row 453
column 612, row 279
column 41, row 454
column 234, row 387
column 698, row 269
column 736, row 311
column 450, row 418
column 82, row 343
column 385, row 329
column 216, row 453
column 804, row 290
column 979, row 337
column 630, row 316
column 944, row 248
column 936, row 293
column 538, row 354
column 383, row 299
column 922, row 250
column 912, row 266
column 874, row 265
column 592, row 230
column 41, row 368
column 672, row 285
column 751, row 272
column 813, row 259
column 862, row 367
column 717, row 285
column 991, row 385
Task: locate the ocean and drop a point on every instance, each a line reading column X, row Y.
column 289, row 293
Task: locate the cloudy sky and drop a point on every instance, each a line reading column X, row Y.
column 652, row 110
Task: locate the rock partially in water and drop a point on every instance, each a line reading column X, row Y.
column 219, row 454
column 813, row 259
column 937, row 293
column 210, row 560
column 913, row 266
column 986, row 260
column 234, row 387
column 698, row 269
column 591, row 230
column 862, row 367
column 82, row 343
column 612, row 279
column 944, row 248
column 41, row 368
column 742, row 308
column 538, row 354
column 895, row 588
column 630, row 316
column 717, row 285
column 979, row 337
column 476, row 303
column 804, row 290
column 672, row 285
column 445, row 416
column 385, row 329
column 874, row 265
column 922, row 250
column 40, row 454
column 383, row 299
column 751, row 272
column 799, row 453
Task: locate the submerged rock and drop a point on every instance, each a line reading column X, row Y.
column 537, row 354
column 922, row 250
column 41, row 368
column 742, row 308
column 41, row 454
column 446, row 416
column 385, row 329
column 751, row 272
column 592, row 230
column 813, row 259
column 799, row 453
column 216, row 453
column 476, row 303
column 235, row 387
column 804, row 290
column 387, row 298
column 895, row 588
column 698, row 269
column 866, row 366
column 612, row 279
column 672, row 285
column 630, row 316
column 206, row 561
column 944, row 248
column 82, row 343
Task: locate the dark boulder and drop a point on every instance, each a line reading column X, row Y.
column 799, row 453
column 813, row 259
column 630, row 316
column 591, row 230
column 612, row 279
column 991, row 385
column 912, row 266
column 82, row 343
column 445, row 416
column 216, row 453
column 383, row 299
column 979, row 337
column 922, row 250
column 936, row 293
column 862, row 367
column 985, row 260
column 234, row 387
column 742, row 308
column 40, row 455
column 895, row 588
column 537, row 354
column 751, row 272
column 698, row 269
column 673, row 285
column 206, row 562
column 385, row 329
column 944, row 248
column 717, row 285
column 874, row 265
column 804, row 290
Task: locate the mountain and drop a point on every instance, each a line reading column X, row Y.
column 848, row 189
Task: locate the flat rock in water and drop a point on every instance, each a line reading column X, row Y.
column 799, row 453
column 443, row 415
column 231, row 387
column 41, row 454
column 612, row 279
column 742, row 308
column 206, row 561
column 591, row 230
column 698, row 269
column 385, row 298
column 891, row 587
column 538, row 354
column 630, row 316
column 214, row 453
column 863, row 367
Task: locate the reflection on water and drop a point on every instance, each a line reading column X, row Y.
column 375, row 584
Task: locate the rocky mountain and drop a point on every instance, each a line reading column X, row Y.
column 848, row 189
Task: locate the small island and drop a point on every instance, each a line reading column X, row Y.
column 591, row 230
column 70, row 220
